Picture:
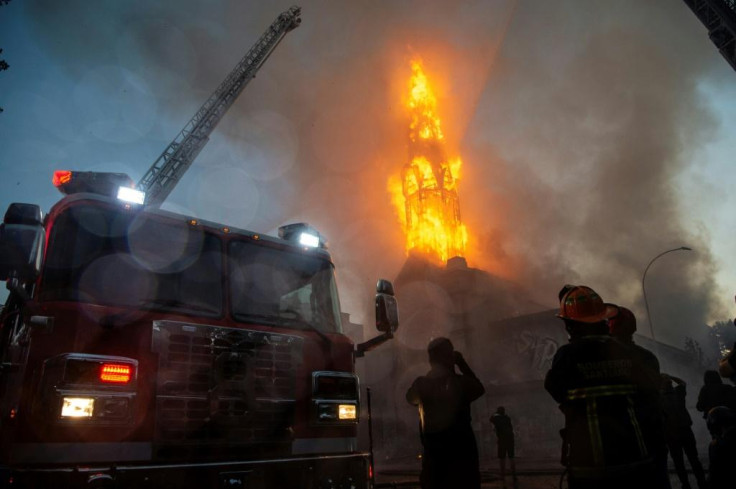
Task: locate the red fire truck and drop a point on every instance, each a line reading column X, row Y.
column 142, row 348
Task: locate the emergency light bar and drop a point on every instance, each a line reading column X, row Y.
column 303, row 234
column 95, row 182
column 61, row 177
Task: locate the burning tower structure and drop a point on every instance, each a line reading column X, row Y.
column 440, row 294
column 426, row 195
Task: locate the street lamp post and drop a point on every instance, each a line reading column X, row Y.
column 644, row 290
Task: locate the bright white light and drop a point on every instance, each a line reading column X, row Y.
column 127, row 194
column 77, row 407
column 346, row 411
column 308, row 239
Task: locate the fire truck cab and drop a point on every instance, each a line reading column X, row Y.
column 143, row 348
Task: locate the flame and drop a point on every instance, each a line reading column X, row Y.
column 425, row 194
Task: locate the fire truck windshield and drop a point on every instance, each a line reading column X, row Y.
column 282, row 288
column 103, row 255
column 108, row 256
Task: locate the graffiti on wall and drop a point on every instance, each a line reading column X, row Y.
column 538, row 349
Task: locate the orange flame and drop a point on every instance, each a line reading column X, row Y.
column 425, row 194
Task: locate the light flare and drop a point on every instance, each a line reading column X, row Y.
column 425, row 194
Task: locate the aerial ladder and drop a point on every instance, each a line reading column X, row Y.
column 167, row 170
column 719, row 17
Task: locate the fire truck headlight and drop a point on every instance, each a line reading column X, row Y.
column 127, row 194
column 77, row 407
column 335, row 398
column 346, row 411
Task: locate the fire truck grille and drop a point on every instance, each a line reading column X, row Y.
column 224, row 385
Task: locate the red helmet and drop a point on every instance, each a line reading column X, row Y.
column 584, row 305
column 623, row 324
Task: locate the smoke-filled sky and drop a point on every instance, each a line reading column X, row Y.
column 594, row 134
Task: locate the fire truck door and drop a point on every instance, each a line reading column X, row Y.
column 15, row 342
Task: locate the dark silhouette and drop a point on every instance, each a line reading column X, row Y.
column 679, row 432
column 715, row 393
column 602, row 387
column 722, row 451
column 727, row 365
column 622, row 327
column 504, row 441
column 450, row 458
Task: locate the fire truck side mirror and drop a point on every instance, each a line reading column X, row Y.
column 21, row 243
column 387, row 311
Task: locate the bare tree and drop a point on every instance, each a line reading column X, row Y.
column 3, row 64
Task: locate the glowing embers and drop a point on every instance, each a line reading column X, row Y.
column 425, row 196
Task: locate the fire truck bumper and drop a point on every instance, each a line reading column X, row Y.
column 344, row 471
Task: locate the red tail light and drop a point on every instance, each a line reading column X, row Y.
column 61, row 177
column 116, row 373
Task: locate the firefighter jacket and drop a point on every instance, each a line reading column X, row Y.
column 602, row 386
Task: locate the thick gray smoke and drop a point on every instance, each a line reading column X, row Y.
column 595, row 113
column 574, row 120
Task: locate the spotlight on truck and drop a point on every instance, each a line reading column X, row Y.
column 131, row 195
column 303, row 234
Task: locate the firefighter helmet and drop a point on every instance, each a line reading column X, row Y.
column 583, row 304
column 623, row 323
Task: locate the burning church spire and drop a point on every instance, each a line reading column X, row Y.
column 425, row 196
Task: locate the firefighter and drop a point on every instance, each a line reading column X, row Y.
column 622, row 328
column 679, row 432
column 602, row 386
column 505, row 441
column 450, row 458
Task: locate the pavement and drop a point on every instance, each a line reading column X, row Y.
column 489, row 480
column 531, row 474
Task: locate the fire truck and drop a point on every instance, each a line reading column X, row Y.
column 143, row 348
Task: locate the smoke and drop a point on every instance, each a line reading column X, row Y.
column 593, row 116
column 574, row 120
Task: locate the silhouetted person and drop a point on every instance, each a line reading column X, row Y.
column 722, row 451
column 601, row 386
column 727, row 365
column 504, row 441
column 679, row 432
column 622, row 328
column 715, row 393
column 450, row 459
